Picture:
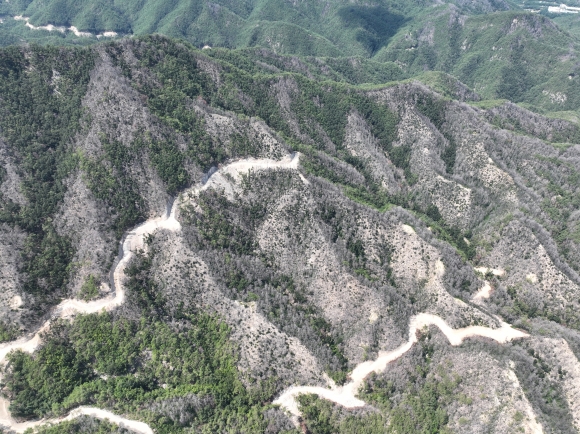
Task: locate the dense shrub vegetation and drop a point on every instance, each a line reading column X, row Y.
column 123, row 365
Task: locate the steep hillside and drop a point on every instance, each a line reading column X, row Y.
column 512, row 55
column 279, row 231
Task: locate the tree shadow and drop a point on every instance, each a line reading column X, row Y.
column 375, row 25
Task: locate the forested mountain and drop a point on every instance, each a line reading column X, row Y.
column 280, row 217
column 308, row 27
column 501, row 49
column 313, row 219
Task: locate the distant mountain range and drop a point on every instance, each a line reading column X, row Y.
column 499, row 49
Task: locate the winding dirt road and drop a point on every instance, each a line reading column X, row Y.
column 133, row 240
column 63, row 29
column 346, row 395
column 226, row 178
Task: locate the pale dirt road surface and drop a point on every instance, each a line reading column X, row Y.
column 134, row 240
column 346, row 395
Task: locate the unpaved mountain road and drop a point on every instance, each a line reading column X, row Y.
column 225, row 178
column 133, row 240
column 346, row 395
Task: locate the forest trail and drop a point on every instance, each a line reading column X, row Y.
column 346, row 395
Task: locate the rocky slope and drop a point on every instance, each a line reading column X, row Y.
column 317, row 218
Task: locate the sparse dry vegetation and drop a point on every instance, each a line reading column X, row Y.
column 280, row 277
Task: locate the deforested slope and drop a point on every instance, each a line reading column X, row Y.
column 316, row 220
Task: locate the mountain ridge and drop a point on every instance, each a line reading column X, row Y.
column 411, row 37
column 412, row 199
